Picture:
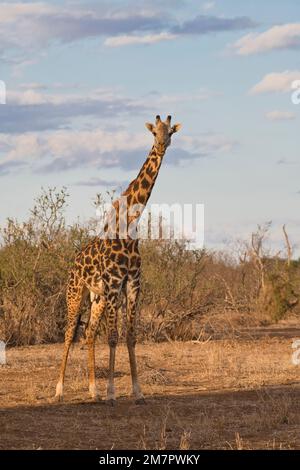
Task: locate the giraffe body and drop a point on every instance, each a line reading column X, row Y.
column 106, row 267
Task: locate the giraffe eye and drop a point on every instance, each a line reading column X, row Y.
column 154, row 133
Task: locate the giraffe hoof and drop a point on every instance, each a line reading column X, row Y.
column 111, row 401
column 94, row 393
column 140, row 401
column 96, row 398
column 58, row 399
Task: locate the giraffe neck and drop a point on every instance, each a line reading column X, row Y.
column 139, row 190
column 136, row 195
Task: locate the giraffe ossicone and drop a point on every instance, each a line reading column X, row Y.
column 108, row 267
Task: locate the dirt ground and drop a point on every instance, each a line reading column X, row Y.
column 226, row 394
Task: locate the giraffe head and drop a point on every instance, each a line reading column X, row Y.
column 162, row 131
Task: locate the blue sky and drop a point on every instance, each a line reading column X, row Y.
column 82, row 79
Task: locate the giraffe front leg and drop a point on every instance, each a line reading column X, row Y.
column 112, row 310
column 133, row 290
column 97, row 310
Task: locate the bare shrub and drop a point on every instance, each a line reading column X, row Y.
column 187, row 294
column 34, row 262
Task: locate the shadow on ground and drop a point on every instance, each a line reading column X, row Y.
column 261, row 418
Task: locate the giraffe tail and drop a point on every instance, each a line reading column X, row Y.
column 83, row 324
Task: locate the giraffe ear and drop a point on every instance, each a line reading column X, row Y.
column 176, row 128
column 149, row 126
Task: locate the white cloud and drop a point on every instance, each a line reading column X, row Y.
column 208, row 6
column 32, row 27
column 280, row 116
column 44, row 86
column 11, row 12
column 32, row 86
column 49, row 109
column 66, row 149
column 276, row 82
column 51, row 138
column 158, row 99
column 33, row 109
column 94, row 142
column 19, row 147
column 278, row 37
column 95, row 147
column 38, row 93
column 208, row 143
column 33, row 94
column 127, row 40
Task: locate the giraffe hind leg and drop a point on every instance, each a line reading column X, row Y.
column 74, row 298
column 133, row 290
column 112, row 298
column 97, row 309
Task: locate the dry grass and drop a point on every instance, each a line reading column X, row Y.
column 227, row 394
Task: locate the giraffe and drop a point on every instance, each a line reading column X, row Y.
column 107, row 267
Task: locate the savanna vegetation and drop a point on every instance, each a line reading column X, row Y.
column 187, row 294
column 216, row 369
